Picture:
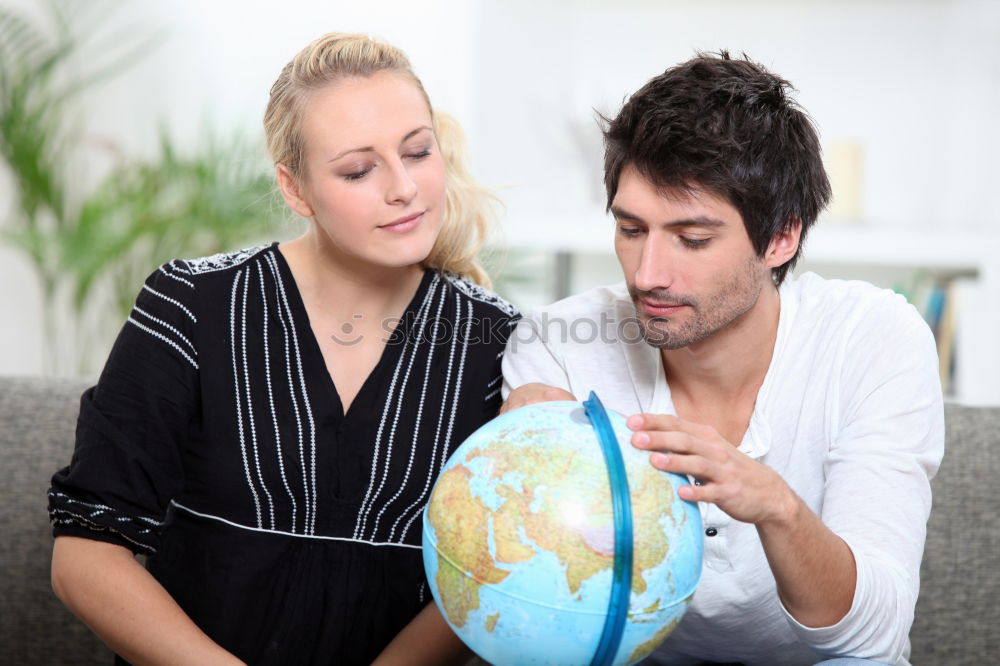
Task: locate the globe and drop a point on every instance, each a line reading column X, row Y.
column 520, row 541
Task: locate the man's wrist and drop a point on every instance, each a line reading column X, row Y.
column 788, row 511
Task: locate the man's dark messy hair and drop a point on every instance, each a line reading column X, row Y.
column 731, row 127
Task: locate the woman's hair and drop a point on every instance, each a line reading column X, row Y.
column 469, row 208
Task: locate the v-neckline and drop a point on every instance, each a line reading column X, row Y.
column 314, row 354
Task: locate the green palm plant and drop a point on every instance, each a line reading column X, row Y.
column 91, row 249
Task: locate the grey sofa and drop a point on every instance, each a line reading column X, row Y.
column 958, row 614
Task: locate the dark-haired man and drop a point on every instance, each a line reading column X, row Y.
column 807, row 412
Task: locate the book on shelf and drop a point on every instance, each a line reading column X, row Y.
column 935, row 299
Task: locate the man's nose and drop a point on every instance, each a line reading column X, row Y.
column 656, row 267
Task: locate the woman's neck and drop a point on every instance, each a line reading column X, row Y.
column 345, row 286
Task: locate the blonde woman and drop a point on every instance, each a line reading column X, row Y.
column 270, row 421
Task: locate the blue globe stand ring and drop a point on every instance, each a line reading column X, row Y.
column 621, row 586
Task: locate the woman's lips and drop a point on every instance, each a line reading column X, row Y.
column 404, row 224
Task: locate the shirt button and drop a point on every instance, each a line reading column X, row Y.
column 711, row 531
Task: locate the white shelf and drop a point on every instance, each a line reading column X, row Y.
column 971, row 259
column 855, row 244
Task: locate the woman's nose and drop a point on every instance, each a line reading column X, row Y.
column 401, row 188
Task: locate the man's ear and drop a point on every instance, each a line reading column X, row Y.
column 291, row 191
column 784, row 244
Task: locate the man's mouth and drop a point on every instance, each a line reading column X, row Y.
column 659, row 308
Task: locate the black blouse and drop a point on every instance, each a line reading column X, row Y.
column 215, row 442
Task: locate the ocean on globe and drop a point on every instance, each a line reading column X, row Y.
column 519, row 541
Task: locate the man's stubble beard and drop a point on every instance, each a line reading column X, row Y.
column 705, row 317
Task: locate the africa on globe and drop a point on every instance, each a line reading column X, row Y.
column 519, row 541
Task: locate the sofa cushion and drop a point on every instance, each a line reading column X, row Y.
column 958, row 613
column 37, row 422
column 957, row 616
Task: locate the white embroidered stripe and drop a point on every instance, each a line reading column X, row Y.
column 291, row 534
column 455, row 396
column 494, row 381
column 310, row 527
column 179, row 279
column 270, row 392
column 103, row 507
column 369, row 499
column 418, row 503
column 491, row 394
column 458, row 376
column 171, row 300
column 416, row 427
column 390, row 438
column 239, row 403
column 170, row 328
column 422, row 318
column 157, row 334
column 246, row 385
column 272, row 264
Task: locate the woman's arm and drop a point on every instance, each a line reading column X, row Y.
column 126, row 607
column 426, row 640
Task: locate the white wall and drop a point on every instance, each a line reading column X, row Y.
column 211, row 70
column 918, row 82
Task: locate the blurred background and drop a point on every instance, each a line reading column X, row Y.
column 130, row 134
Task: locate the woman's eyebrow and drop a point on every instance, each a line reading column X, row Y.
column 368, row 149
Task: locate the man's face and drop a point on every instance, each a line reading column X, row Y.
column 688, row 261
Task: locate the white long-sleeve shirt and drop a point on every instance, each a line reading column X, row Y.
column 850, row 414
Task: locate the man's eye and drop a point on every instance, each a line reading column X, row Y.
column 629, row 232
column 694, row 242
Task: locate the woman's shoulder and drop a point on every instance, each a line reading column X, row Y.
column 177, row 291
column 482, row 299
column 182, row 279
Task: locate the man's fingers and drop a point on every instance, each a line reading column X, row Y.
column 658, row 440
column 680, row 463
column 660, row 422
column 553, row 393
column 669, row 422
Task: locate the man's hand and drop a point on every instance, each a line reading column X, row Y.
column 814, row 568
column 739, row 485
column 529, row 394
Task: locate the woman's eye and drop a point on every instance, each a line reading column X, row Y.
column 356, row 175
column 420, row 154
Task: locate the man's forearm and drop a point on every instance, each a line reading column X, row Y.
column 814, row 568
